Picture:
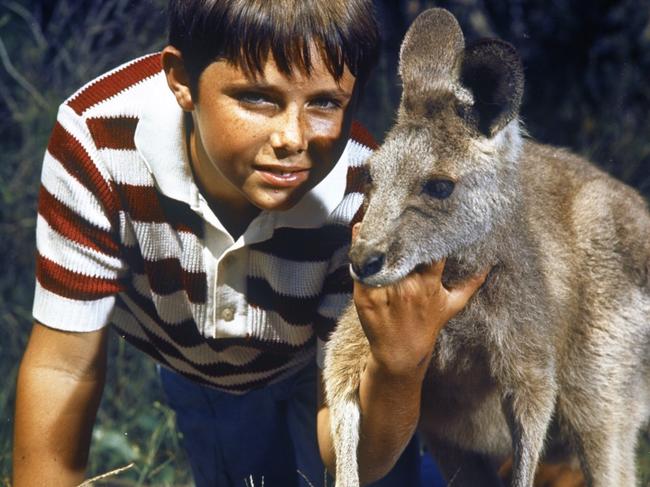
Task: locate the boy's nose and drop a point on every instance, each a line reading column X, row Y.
column 290, row 133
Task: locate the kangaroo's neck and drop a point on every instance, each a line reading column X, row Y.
column 506, row 236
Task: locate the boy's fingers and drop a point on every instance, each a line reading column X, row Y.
column 355, row 231
column 438, row 267
column 361, row 291
column 460, row 295
column 432, row 273
column 434, row 269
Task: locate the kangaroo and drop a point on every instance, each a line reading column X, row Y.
column 553, row 352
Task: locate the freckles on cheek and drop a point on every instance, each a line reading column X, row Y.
column 248, row 128
column 326, row 129
column 327, row 135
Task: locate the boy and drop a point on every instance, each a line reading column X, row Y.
column 203, row 210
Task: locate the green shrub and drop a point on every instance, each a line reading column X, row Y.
column 47, row 51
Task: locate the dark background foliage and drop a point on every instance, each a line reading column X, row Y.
column 587, row 69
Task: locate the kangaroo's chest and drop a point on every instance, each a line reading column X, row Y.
column 461, row 404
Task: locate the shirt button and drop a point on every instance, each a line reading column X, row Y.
column 228, row 313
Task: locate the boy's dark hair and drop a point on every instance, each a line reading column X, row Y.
column 244, row 32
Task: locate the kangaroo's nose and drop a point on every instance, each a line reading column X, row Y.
column 371, row 266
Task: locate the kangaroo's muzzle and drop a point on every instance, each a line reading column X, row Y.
column 369, row 267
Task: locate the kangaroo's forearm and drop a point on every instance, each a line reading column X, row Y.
column 390, row 409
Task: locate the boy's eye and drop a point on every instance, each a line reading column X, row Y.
column 252, row 98
column 326, row 103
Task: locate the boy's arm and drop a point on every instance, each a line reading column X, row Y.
column 60, row 384
column 390, row 409
column 402, row 323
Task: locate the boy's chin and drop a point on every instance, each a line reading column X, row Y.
column 278, row 200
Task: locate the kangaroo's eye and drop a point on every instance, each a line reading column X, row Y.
column 438, row 188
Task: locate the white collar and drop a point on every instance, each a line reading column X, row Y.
column 160, row 140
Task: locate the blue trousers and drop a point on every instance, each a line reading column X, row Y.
column 267, row 435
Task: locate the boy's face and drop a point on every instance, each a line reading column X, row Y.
column 265, row 142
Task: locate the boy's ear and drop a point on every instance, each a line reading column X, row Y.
column 177, row 77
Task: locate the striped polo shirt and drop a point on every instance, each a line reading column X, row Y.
column 124, row 238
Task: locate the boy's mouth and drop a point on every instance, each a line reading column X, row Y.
column 283, row 176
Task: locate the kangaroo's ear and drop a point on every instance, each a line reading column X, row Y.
column 430, row 52
column 492, row 70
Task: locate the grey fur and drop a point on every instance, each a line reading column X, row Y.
column 559, row 335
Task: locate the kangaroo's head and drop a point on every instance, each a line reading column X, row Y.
column 445, row 175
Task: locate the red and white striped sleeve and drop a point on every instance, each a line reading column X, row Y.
column 79, row 268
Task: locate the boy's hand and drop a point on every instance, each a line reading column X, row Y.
column 402, row 321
